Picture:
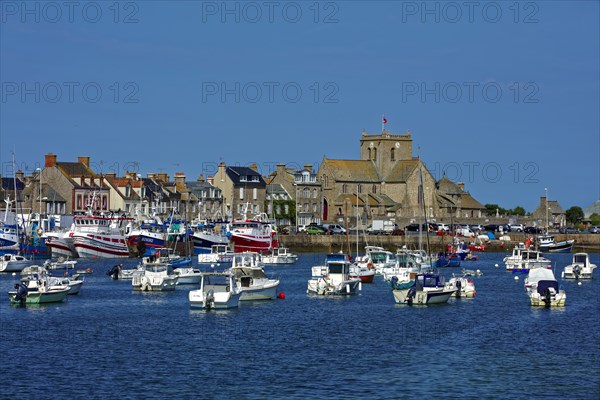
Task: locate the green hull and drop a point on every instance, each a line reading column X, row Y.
column 40, row 298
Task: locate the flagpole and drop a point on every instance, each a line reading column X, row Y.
column 382, row 123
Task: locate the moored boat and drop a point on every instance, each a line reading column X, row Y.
column 580, row 268
column 422, row 289
column 154, row 278
column 333, row 278
column 13, row 263
column 546, row 243
column 247, row 269
column 543, row 290
column 218, row 290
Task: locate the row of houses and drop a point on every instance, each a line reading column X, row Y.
column 386, row 182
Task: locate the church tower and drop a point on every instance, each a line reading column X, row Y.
column 385, row 150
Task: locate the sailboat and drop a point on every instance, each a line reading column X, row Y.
column 9, row 237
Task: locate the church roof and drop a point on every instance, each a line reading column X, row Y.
column 353, row 170
column 401, row 171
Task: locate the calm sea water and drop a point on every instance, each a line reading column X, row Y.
column 111, row 342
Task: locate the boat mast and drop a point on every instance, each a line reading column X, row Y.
column 422, row 199
column 356, row 221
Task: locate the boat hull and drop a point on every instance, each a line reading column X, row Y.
column 560, row 247
column 222, row 301
column 33, row 297
column 88, row 247
column 264, row 293
column 402, row 296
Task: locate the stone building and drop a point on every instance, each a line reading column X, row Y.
column 452, row 198
column 76, row 184
column 383, row 184
column 552, row 211
column 304, row 188
column 243, row 188
column 210, row 199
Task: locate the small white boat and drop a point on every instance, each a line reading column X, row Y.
column 422, row 289
column 218, row 290
column 154, row 278
column 118, row 272
column 61, row 263
column 219, row 253
column 580, row 268
column 377, row 259
column 36, row 272
column 166, row 256
column 463, row 287
column 546, row 243
column 37, row 290
column 543, row 290
column 524, row 259
column 365, row 274
column 280, row 255
column 13, row 263
column 254, row 284
column 333, row 278
column 187, row 276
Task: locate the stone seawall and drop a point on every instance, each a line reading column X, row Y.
column 304, row 243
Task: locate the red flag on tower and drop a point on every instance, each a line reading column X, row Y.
column 384, row 120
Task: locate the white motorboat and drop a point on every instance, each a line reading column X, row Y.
column 13, row 263
column 280, row 255
column 333, row 278
column 40, row 272
column 154, row 278
column 219, row 253
column 463, row 286
column 362, row 272
column 218, row 290
column 118, row 272
column 166, row 256
column 546, row 243
column 247, row 268
column 61, row 263
column 543, row 290
column 580, row 268
column 422, row 289
column 37, row 289
column 377, row 258
column 524, row 259
column 188, row 276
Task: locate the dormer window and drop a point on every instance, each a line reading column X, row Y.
column 254, row 178
column 243, row 178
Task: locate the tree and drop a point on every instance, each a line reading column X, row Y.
column 574, row 214
column 595, row 218
column 518, row 210
column 490, row 209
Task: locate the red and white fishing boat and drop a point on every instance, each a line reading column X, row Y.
column 100, row 236
column 255, row 234
column 61, row 243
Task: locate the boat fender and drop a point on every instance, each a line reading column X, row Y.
column 370, row 265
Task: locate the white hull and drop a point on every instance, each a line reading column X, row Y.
column 279, row 259
column 147, row 283
column 423, row 298
column 61, row 245
column 321, row 286
column 188, row 276
column 13, row 266
column 557, row 300
column 267, row 292
column 222, row 300
column 105, row 247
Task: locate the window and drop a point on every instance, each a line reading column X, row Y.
column 243, row 178
column 305, row 206
column 374, row 189
column 393, row 154
column 254, row 178
column 240, row 208
column 369, row 153
column 344, row 188
column 306, row 193
column 374, row 154
column 314, row 193
column 254, row 193
column 79, row 202
column 255, row 208
column 287, row 208
column 359, row 189
column 314, row 207
column 241, row 193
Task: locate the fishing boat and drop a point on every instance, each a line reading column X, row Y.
column 333, row 278
column 580, row 268
column 218, row 290
column 61, row 243
column 100, row 236
column 204, row 236
column 13, row 263
column 547, row 244
column 255, row 234
column 9, row 233
column 543, row 290
column 422, row 289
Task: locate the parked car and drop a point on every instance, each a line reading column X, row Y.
column 532, row 229
column 465, row 232
column 315, row 230
column 568, row 229
column 335, row 229
column 516, row 228
column 491, row 228
column 476, row 228
column 443, row 228
column 412, row 228
column 595, row 229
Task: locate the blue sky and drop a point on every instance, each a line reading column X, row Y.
column 501, row 95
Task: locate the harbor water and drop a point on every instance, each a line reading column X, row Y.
column 112, row 342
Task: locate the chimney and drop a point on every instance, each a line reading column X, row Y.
column 201, row 178
column 280, row 168
column 179, row 178
column 50, row 160
column 461, row 185
column 110, row 176
column 84, row 160
column 150, row 175
column 308, row 167
column 210, row 179
column 254, row 167
column 19, row 175
column 162, row 177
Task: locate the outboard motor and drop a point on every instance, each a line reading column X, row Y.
column 22, row 290
column 547, row 297
column 114, row 272
column 394, row 281
column 577, row 271
column 412, row 292
column 458, row 287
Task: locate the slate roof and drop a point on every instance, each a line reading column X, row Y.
column 75, row 169
column 353, row 170
column 235, row 174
